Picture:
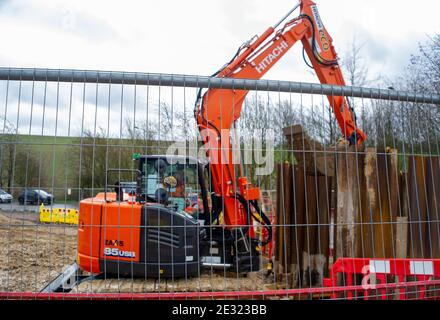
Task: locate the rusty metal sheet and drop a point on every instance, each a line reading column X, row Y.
column 417, row 209
column 310, row 154
column 380, row 205
column 324, row 199
column 433, row 196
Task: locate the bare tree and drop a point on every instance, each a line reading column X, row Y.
column 167, row 129
column 186, row 124
column 19, row 162
column 417, row 126
column 354, row 65
column 356, row 72
column 424, row 68
column 6, row 153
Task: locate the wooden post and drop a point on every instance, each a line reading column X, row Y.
column 323, row 250
column 279, row 252
column 402, row 238
column 288, row 201
column 394, row 187
column 298, row 220
column 348, row 204
column 283, row 221
column 311, row 231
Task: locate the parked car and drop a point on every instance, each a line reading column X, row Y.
column 5, row 197
column 35, row 196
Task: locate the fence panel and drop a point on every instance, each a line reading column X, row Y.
column 347, row 221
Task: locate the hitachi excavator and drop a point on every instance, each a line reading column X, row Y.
column 190, row 214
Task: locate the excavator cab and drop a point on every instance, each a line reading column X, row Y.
column 175, row 182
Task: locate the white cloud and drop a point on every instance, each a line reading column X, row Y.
column 193, row 36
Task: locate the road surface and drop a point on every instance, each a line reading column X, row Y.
column 16, row 207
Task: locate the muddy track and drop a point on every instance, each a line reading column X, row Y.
column 206, row 283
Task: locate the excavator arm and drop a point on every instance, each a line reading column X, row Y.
column 218, row 109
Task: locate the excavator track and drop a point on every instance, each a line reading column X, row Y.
column 206, row 283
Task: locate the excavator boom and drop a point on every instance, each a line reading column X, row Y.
column 217, row 111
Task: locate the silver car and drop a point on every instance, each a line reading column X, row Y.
column 5, row 197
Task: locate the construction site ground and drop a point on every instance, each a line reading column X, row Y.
column 33, row 254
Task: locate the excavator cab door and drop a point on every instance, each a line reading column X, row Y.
column 177, row 183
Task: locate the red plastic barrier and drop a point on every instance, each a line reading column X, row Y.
column 402, row 270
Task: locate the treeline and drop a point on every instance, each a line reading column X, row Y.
column 70, row 168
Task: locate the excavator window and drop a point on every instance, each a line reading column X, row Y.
column 173, row 185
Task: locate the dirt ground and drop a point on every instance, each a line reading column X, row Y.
column 32, row 255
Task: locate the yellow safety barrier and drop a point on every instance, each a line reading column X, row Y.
column 62, row 216
column 45, row 215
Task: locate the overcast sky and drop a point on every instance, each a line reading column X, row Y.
column 170, row 36
column 198, row 36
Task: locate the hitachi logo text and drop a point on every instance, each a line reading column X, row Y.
column 271, row 57
column 317, row 18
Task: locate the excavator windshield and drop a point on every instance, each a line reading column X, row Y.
column 174, row 185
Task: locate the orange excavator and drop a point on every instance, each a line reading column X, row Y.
column 219, row 108
column 189, row 214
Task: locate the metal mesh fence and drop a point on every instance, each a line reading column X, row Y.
column 104, row 177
